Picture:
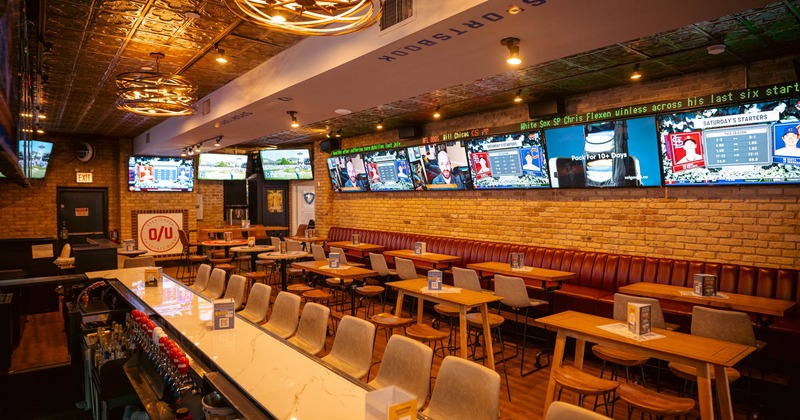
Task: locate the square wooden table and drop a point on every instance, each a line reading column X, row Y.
column 429, row 257
column 350, row 272
column 362, row 248
column 464, row 300
column 701, row 353
column 550, row 279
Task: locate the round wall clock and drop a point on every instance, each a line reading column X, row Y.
column 84, row 152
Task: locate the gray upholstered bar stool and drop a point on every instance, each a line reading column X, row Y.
column 515, row 296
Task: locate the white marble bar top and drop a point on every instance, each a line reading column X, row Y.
column 288, row 383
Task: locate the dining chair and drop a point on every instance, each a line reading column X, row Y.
column 318, row 252
column 235, row 290
column 292, row 245
column 201, row 280
column 343, row 257
column 406, row 363
column 301, row 229
column 257, row 303
column 276, row 242
column 188, row 261
column 378, row 264
column 352, row 347
column 405, row 269
column 560, row 410
column 467, row 278
column 283, row 321
column 216, row 284
column 465, row 390
column 515, row 296
column 313, row 328
column 134, row 262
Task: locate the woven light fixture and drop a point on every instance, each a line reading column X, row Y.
column 309, row 17
column 155, row 94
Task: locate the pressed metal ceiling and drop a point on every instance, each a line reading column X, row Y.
column 94, row 40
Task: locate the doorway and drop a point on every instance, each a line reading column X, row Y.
column 82, row 214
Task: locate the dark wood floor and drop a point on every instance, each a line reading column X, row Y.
column 44, row 344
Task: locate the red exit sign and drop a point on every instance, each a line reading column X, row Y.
column 84, row 177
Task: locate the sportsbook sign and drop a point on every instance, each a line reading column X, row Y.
column 158, row 233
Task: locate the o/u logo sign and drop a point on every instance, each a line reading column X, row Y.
column 159, row 234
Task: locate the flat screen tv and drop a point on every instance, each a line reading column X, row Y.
column 440, row 166
column 621, row 153
column 745, row 144
column 153, row 173
column 348, row 173
column 34, row 155
column 508, row 161
column 286, row 165
column 216, row 166
column 387, row 170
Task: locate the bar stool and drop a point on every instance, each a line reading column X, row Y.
column 653, row 403
column 252, row 278
column 475, row 321
column 299, row 288
column 338, row 286
column 223, row 264
column 584, row 384
column 515, row 296
column 389, row 322
column 427, row 334
column 317, row 296
column 451, row 313
column 371, row 292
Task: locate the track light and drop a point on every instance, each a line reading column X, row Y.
column 636, row 75
column 716, row 48
column 294, row 124
column 436, row 113
column 217, row 140
column 513, row 50
column 518, row 98
column 190, row 151
column 197, row 148
column 39, row 129
column 329, row 134
column 339, row 133
column 183, row 152
column 380, row 125
column 221, row 57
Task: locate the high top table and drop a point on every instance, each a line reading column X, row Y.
column 550, row 279
column 429, row 257
column 362, row 248
column 349, row 272
column 701, row 353
column 283, row 258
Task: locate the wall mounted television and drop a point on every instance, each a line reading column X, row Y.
column 218, row 166
column 746, row 144
column 34, row 155
column 286, row 164
column 508, row 161
column 153, row 173
column 440, row 166
column 620, row 153
column 388, row 170
column 348, row 173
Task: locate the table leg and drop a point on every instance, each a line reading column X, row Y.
column 580, row 347
column 253, row 259
column 462, row 329
column 558, row 357
column 283, row 275
column 487, row 335
column 398, row 307
column 353, row 299
column 420, row 303
column 706, row 402
column 723, row 392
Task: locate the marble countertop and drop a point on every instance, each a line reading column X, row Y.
column 285, row 381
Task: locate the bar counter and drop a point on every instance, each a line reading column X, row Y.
column 283, row 380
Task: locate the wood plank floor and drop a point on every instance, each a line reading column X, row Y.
column 43, row 343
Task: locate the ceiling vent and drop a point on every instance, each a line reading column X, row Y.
column 395, row 11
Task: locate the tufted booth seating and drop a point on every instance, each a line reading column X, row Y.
column 601, row 274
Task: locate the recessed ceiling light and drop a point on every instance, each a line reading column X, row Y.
column 284, row 98
column 191, row 14
column 716, row 49
column 343, row 111
column 514, row 10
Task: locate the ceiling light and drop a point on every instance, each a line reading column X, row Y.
column 717, row 48
column 514, row 10
column 518, row 97
column 329, row 134
column 294, row 124
column 190, row 151
column 380, row 125
column 183, row 153
column 216, row 141
column 192, row 14
column 307, row 17
column 154, row 93
column 221, row 54
column 513, row 50
column 636, row 75
column 339, row 133
column 436, row 113
column 39, row 129
column 343, row 111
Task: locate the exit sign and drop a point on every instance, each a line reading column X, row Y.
column 84, row 177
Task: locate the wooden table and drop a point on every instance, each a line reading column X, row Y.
column 550, row 279
column 699, row 352
column 253, row 251
column 464, row 300
column 746, row 303
column 429, row 257
column 244, row 231
column 223, row 244
column 283, row 258
column 363, row 248
column 308, row 240
column 350, row 272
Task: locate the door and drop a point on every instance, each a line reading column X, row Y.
column 82, row 214
column 303, row 208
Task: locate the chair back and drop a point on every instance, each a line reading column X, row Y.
column 139, row 262
column 406, row 363
column 301, row 230
column 313, row 328
column 235, row 290
column 405, row 269
column 276, row 242
column 513, row 291
column 378, row 263
column 203, row 234
column 184, row 239
column 353, row 344
column 216, row 284
column 731, row 326
column 621, row 309
column 258, row 233
column 560, row 410
column 258, row 303
column 283, row 320
column 293, row 245
column 466, row 278
column 465, row 390
column 65, row 251
column 318, row 252
column 201, row 281
column 342, row 255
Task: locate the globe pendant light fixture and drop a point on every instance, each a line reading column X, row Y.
column 309, row 17
column 155, row 94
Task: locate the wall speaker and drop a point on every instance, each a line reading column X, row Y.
column 545, row 108
column 409, row 132
column 332, row 143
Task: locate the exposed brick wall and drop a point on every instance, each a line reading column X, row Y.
column 747, row 225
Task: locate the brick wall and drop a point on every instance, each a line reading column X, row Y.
column 748, row 225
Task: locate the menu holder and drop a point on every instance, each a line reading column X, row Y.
column 129, row 245
column 517, row 260
column 251, row 241
column 356, row 239
column 419, row 248
column 333, row 260
column 639, row 318
column 228, row 236
column 705, row 284
column 152, row 276
column 245, row 224
column 391, row 403
column 223, row 313
column 434, row 280
column 283, row 248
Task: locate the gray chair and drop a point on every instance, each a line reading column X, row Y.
column 405, row 269
column 560, row 410
column 139, row 262
column 318, row 252
column 283, row 321
column 313, row 328
column 276, row 242
column 201, row 281
column 343, row 257
column 216, row 284
column 352, row 347
column 515, row 296
column 406, row 363
column 378, row 264
column 235, row 290
column 467, row 278
column 293, row 245
column 464, row 390
column 257, row 303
